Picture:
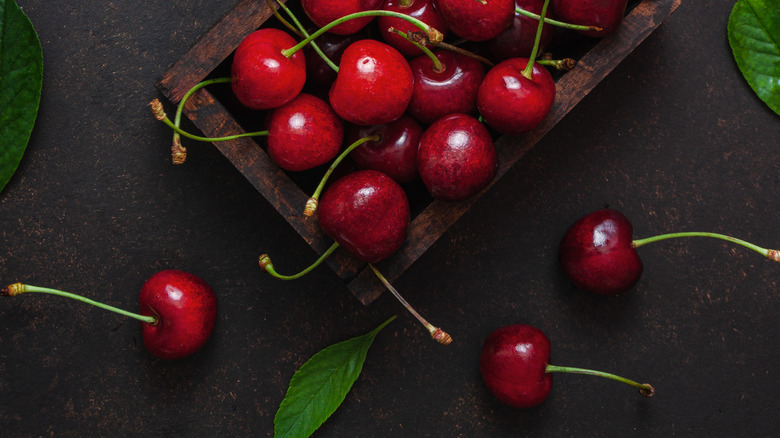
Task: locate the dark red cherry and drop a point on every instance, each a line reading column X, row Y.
column 476, row 20
column 597, row 253
column 512, row 103
column 606, row 14
column 514, row 363
column 453, row 89
column 456, row 158
column 319, row 74
column 395, row 154
column 304, row 133
column 423, row 10
column 322, row 12
column 517, row 40
column 262, row 77
column 367, row 213
column 374, row 84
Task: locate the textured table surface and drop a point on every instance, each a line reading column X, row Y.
column 674, row 138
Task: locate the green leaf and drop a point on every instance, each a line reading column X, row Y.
column 21, row 78
column 754, row 36
column 320, row 385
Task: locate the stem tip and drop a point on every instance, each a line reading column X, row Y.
column 311, row 207
column 441, row 336
column 12, row 290
column 157, row 109
column 647, row 390
column 265, row 261
column 773, row 254
column 178, row 152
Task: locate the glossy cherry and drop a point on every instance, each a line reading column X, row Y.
column 606, row 14
column 374, row 84
column 456, row 158
column 512, row 103
column 515, row 367
column 320, row 76
column 424, row 10
column 598, row 252
column 518, row 39
column 450, row 89
column 262, row 76
column 477, row 20
column 367, row 213
column 178, row 311
column 304, row 133
column 395, row 154
column 322, row 12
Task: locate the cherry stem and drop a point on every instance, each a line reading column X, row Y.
column 159, row 113
column 771, row 254
column 557, row 23
column 438, row 67
column 311, row 204
column 528, row 70
column 19, row 288
column 564, row 64
column 301, row 31
column 436, row 333
column 265, row 264
column 281, row 19
column 179, row 152
column 456, row 49
column 433, row 34
column 645, row 389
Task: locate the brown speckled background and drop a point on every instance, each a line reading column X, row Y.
column 674, row 138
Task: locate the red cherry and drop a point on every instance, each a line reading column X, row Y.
column 514, row 363
column 597, row 253
column 367, row 213
column 456, row 158
column 374, row 84
column 395, row 154
column 319, row 74
column 510, row 102
column 517, row 40
column 186, row 310
column 451, row 90
column 322, row 12
column 304, row 133
column 262, row 77
column 424, row 10
column 606, row 14
column 475, row 20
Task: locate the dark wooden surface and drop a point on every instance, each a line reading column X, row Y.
column 674, row 138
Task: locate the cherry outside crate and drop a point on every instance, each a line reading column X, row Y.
column 215, row 119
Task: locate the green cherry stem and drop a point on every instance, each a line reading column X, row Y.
column 528, row 70
column 281, row 19
column 301, row 31
column 556, row 23
column 771, row 254
column 432, row 34
column 438, row 67
column 564, row 64
column 311, row 203
column 159, row 113
column 436, row 333
column 179, row 152
column 645, row 389
column 265, row 264
column 19, row 288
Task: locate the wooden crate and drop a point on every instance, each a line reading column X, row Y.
column 214, row 119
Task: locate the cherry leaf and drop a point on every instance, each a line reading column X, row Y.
column 754, row 36
column 320, row 385
column 21, row 78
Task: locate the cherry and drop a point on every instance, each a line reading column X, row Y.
column 597, row 252
column 374, row 84
column 304, row 133
column 367, row 213
column 321, row 75
column 515, row 367
column 606, row 14
column 424, row 10
column 518, row 93
column 394, row 154
column 322, row 12
column 451, row 88
column 456, row 158
column 178, row 311
column 477, row 20
column 518, row 39
column 263, row 77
